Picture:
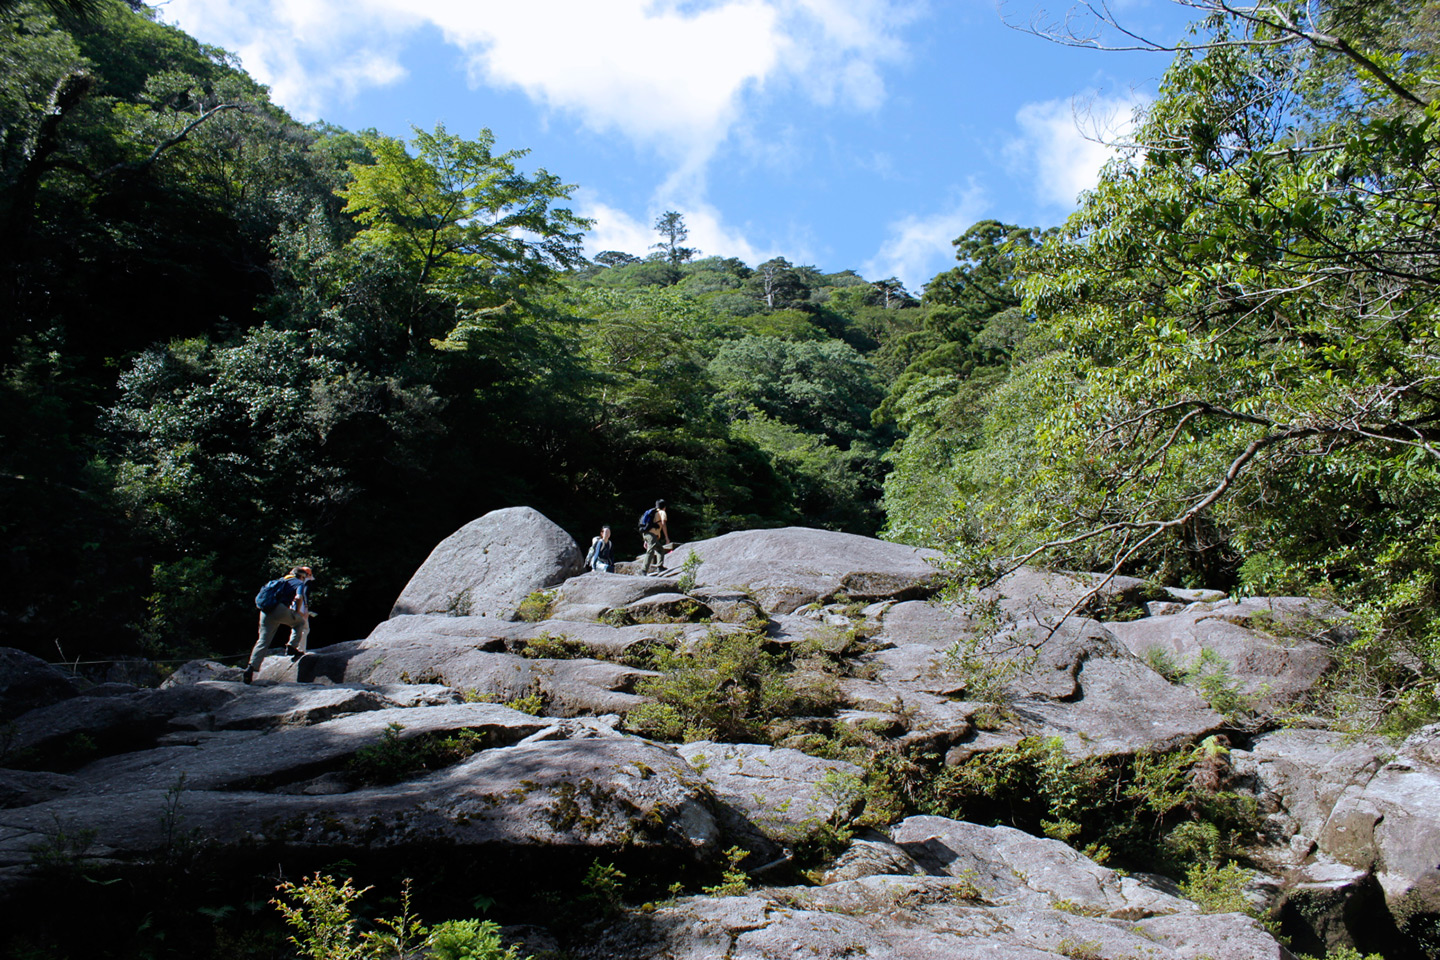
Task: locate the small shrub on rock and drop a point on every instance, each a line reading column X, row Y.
column 469, row 940
column 604, row 887
column 1217, row 889
column 555, row 647
column 1034, row 782
column 319, row 911
column 393, row 758
column 536, row 606
column 1344, row 953
column 532, row 703
column 1149, row 811
column 688, row 570
column 723, row 687
column 734, row 882
column 1081, row 949
column 1163, row 662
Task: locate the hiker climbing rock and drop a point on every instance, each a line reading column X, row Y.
column 282, row 603
column 601, row 557
column 655, row 531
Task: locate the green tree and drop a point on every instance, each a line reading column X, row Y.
column 821, row 387
column 615, row 258
column 142, row 179
column 1244, row 313
column 470, row 230
column 778, row 284
column 956, row 352
column 671, row 226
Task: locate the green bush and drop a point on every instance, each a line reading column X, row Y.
column 604, row 887
column 688, row 569
column 1210, row 676
column 393, row 758
column 554, row 647
column 532, row 703
column 1344, row 953
column 734, row 881
column 536, row 606
column 1163, row 662
column 1146, row 810
column 469, row 940
column 723, row 687
column 321, row 913
column 1217, row 889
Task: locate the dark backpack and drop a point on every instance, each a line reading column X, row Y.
column 275, row 593
column 647, row 519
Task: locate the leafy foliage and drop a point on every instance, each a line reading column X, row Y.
column 1228, row 377
column 1150, row 811
column 321, row 912
column 724, row 687
column 393, row 758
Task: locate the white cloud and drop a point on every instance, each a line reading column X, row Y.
column 710, row 235
column 614, row 229
column 668, row 74
column 916, row 247
column 1064, row 143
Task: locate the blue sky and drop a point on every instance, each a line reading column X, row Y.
column 861, row 134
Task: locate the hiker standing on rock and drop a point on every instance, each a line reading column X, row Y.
column 283, row 603
column 602, row 552
column 655, row 531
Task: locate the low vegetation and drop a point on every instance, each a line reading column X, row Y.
column 1163, row 812
column 728, row 687
column 393, row 757
column 321, row 913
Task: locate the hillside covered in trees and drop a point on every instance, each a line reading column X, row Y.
column 233, row 342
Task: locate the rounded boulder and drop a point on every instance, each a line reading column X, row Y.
column 489, row 566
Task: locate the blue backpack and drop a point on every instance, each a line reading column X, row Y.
column 647, row 519
column 275, row 593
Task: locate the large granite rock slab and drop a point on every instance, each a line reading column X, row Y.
column 407, row 638
column 1012, row 867
column 593, row 595
column 873, row 854
column 787, row 568
column 490, row 565
column 27, row 683
column 1363, row 804
column 1086, row 688
column 290, row 755
column 291, row 704
column 788, row 795
column 912, row 918
column 928, row 626
column 199, row 671
column 567, row 687
column 1276, row 648
column 557, row 798
column 66, row 734
column 668, row 607
column 1030, row 591
column 1071, row 680
column 20, row 788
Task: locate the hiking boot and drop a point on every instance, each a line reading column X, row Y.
column 248, row 676
column 295, row 654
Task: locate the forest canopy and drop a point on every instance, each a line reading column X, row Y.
column 1230, row 374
